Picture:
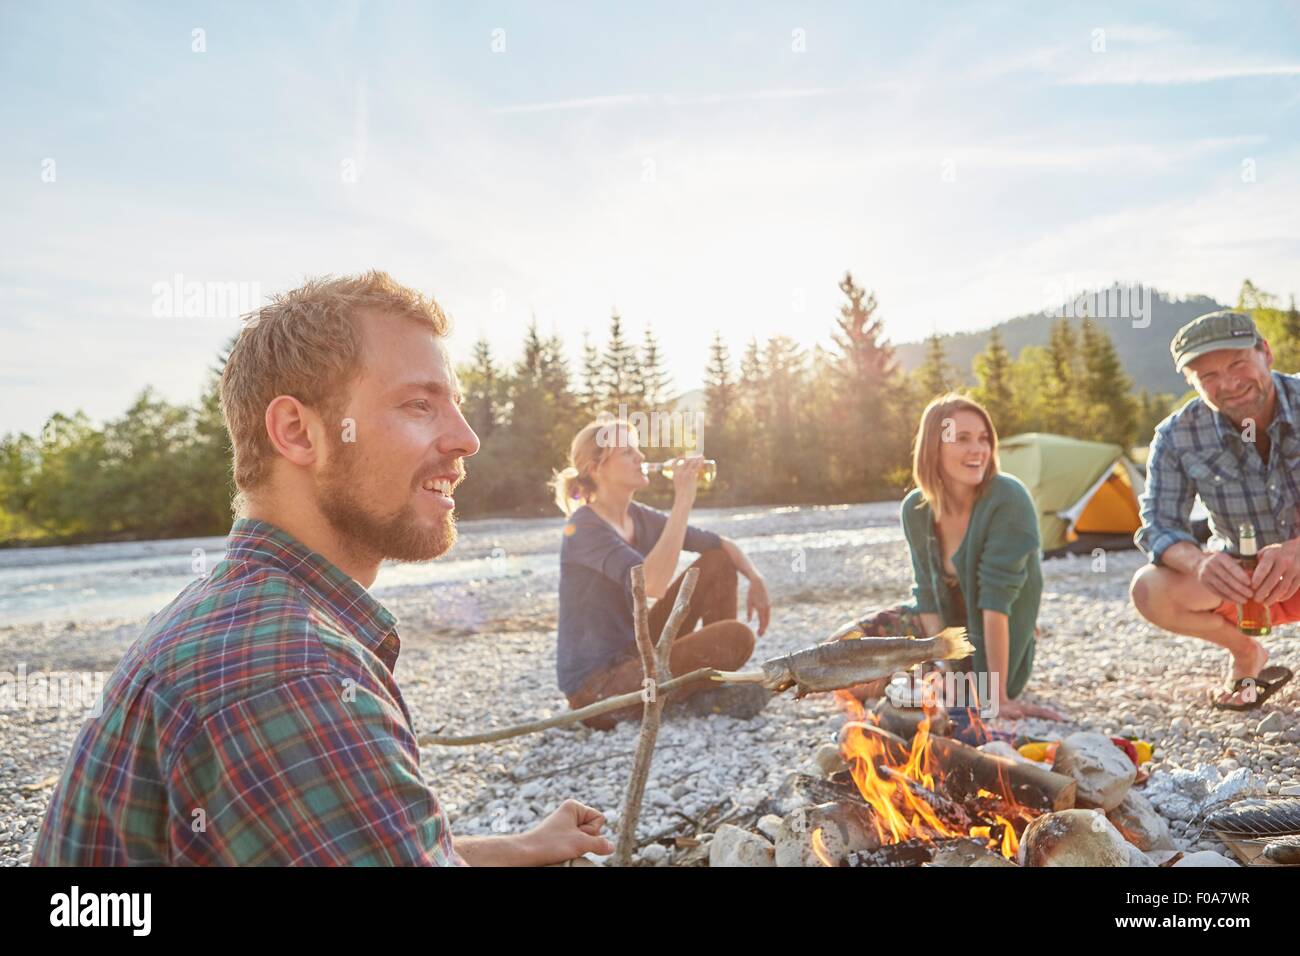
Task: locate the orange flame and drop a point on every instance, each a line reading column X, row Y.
column 892, row 788
column 819, row 848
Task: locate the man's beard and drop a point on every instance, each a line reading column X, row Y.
column 398, row 536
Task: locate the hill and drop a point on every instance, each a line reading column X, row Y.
column 1144, row 351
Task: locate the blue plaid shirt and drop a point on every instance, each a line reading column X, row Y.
column 1197, row 451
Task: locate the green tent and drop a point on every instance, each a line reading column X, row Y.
column 1079, row 487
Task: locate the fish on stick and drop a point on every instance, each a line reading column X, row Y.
column 839, row 664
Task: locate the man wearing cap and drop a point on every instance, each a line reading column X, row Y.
column 1237, row 446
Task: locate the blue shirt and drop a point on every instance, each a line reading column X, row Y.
column 1198, row 451
column 596, row 629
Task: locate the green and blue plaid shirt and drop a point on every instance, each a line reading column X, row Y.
column 256, row 721
column 1197, row 451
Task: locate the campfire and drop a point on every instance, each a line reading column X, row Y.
column 896, row 790
column 920, row 800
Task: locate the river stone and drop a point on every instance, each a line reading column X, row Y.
column 733, row 846
column 1073, row 838
column 1137, row 858
column 1270, row 723
column 1102, row 771
column 967, row 853
column 845, row 828
column 1205, row 858
column 1138, row 821
column 830, row 760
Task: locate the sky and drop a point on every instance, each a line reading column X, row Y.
column 692, row 167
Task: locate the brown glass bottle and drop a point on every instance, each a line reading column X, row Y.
column 1252, row 617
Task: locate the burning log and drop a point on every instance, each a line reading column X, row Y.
column 953, row 814
column 906, row 853
column 949, row 811
column 894, row 749
column 966, row 853
column 1024, row 783
column 803, row 790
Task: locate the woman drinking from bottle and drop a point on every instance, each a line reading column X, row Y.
column 606, row 535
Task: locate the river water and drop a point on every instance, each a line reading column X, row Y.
column 133, row 580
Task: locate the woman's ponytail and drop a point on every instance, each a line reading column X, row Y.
column 571, row 489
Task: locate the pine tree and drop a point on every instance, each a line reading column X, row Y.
column 481, row 382
column 752, row 455
column 593, row 384
column 654, row 380
column 860, row 336
column 786, row 367
column 719, row 389
column 1059, row 393
column 1111, row 412
column 753, row 380
column 866, row 415
column 619, row 367
column 720, row 417
column 1151, row 411
column 935, row 376
column 993, row 391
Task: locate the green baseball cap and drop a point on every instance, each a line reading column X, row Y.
column 1210, row 332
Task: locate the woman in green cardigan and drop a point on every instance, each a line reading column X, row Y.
column 973, row 537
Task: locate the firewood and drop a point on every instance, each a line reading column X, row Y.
column 953, row 814
column 907, row 853
column 1025, row 783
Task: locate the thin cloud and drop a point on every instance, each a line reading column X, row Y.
column 587, row 103
column 643, row 99
column 1175, row 75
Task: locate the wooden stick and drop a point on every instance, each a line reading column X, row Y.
column 655, row 662
column 1028, row 784
column 582, row 713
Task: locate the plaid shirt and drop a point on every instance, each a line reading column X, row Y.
column 256, row 721
column 1197, row 451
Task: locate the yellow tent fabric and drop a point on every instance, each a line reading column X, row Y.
column 1079, row 487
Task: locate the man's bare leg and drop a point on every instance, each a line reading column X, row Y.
column 1180, row 603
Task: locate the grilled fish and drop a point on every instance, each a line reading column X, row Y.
column 1272, row 818
column 839, row 664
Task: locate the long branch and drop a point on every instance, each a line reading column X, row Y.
column 591, row 710
column 655, row 666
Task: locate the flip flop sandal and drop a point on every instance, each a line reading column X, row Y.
column 1266, row 683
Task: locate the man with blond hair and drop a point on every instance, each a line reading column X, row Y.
column 257, row 719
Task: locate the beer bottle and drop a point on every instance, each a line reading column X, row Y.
column 706, row 477
column 1252, row 617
